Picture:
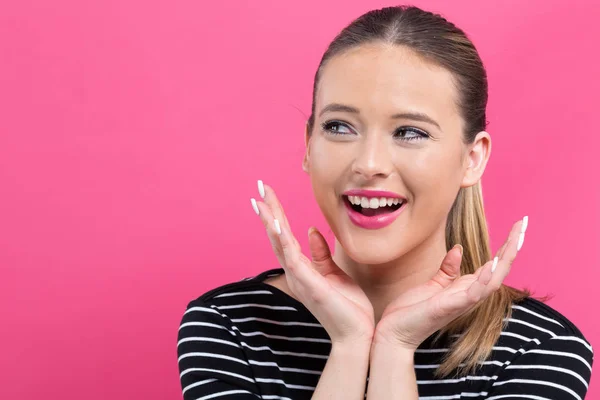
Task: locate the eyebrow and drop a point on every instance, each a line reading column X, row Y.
column 415, row 116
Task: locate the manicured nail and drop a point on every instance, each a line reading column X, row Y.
column 261, row 189
column 277, row 227
column 254, row 206
column 521, row 240
column 495, row 264
column 524, row 225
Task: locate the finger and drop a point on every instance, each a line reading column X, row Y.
column 506, row 258
column 319, row 250
column 452, row 305
column 273, row 202
column 500, row 251
column 464, row 294
column 278, row 211
column 290, row 247
column 310, row 281
column 299, row 274
column 478, row 272
column 297, row 265
column 266, row 217
column 486, row 272
column 450, row 268
column 513, row 235
column 467, row 294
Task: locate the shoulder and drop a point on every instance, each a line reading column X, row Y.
column 245, row 293
column 210, row 351
column 537, row 325
column 248, row 299
column 542, row 322
column 548, row 353
column 212, row 315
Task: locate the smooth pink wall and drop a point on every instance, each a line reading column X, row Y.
column 132, row 134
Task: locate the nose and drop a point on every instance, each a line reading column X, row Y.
column 373, row 158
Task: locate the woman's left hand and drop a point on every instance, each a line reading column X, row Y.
column 415, row 315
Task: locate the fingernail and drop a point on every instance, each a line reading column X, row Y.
column 460, row 248
column 261, row 189
column 521, row 240
column 495, row 264
column 277, row 227
column 524, row 225
column 255, row 206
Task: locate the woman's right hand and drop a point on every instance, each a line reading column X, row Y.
column 333, row 297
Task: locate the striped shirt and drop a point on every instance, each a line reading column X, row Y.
column 248, row 339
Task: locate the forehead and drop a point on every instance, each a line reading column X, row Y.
column 382, row 80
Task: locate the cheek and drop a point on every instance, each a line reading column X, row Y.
column 325, row 170
column 327, row 162
column 433, row 178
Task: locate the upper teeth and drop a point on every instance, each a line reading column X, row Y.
column 366, row 202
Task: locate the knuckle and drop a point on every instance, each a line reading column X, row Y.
column 292, row 262
column 276, row 246
column 263, row 220
column 278, row 252
column 285, row 245
column 474, row 298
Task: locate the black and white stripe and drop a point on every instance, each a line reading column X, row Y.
column 249, row 340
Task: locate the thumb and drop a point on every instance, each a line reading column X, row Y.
column 450, row 268
column 319, row 249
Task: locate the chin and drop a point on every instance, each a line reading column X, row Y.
column 371, row 251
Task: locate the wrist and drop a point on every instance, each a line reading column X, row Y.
column 356, row 342
column 400, row 354
column 356, row 349
column 392, row 373
column 385, row 339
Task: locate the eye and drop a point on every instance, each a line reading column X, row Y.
column 333, row 127
column 409, row 133
column 405, row 133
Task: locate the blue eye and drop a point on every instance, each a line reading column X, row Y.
column 404, row 133
column 328, row 127
column 415, row 134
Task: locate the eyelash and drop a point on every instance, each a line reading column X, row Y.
column 326, row 127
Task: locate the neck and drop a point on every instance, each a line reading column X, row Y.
column 382, row 283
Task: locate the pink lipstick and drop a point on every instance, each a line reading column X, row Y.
column 380, row 219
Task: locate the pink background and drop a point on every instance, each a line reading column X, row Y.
column 132, row 134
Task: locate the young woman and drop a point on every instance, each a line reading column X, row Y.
column 411, row 302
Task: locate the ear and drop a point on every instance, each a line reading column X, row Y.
column 478, row 154
column 306, row 160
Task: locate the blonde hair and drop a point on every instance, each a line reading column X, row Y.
column 480, row 328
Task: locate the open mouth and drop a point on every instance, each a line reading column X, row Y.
column 373, row 206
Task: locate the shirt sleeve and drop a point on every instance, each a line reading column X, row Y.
column 211, row 360
column 558, row 368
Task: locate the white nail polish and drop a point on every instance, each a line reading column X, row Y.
column 495, row 264
column 521, row 240
column 277, row 227
column 524, row 225
column 254, row 206
column 261, row 189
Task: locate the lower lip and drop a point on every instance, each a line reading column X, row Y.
column 374, row 222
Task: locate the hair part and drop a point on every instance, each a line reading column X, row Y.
column 439, row 41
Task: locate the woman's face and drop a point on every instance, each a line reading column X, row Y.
column 419, row 154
